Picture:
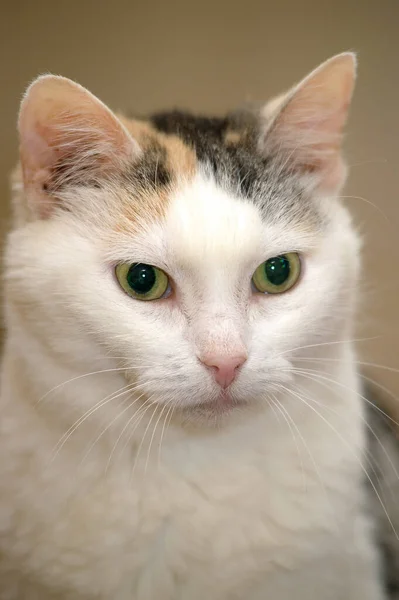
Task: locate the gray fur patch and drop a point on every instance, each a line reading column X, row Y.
column 227, row 149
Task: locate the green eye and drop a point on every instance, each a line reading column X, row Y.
column 278, row 274
column 140, row 281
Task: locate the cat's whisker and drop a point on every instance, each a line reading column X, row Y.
column 129, row 359
column 316, row 468
column 64, row 438
column 384, row 388
column 166, row 423
column 135, row 419
column 340, row 360
column 353, row 453
column 165, row 406
column 288, row 419
column 129, row 388
column 315, row 374
column 366, row 452
column 312, row 374
column 270, row 400
column 116, row 418
column 99, row 372
column 347, row 388
column 127, row 424
column 156, row 407
column 377, row 208
column 332, row 343
column 371, row 161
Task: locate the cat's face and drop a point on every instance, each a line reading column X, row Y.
column 204, row 261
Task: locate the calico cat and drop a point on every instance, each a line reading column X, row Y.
column 181, row 413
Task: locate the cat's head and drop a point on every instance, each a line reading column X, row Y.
column 202, row 254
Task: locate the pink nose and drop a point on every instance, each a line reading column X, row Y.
column 224, row 367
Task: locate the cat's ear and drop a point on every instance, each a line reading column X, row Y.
column 304, row 127
column 67, row 137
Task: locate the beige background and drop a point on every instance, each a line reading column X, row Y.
column 210, row 56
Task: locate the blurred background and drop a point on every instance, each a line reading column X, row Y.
column 210, row 56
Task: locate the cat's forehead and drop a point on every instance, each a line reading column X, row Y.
column 205, row 223
column 207, row 231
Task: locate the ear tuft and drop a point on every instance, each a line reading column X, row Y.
column 305, row 126
column 67, row 136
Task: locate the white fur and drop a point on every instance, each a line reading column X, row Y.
column 265, row 502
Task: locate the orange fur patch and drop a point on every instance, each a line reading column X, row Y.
column 181, row 159
column 180, row 162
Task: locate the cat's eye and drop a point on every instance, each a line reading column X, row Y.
column 143, row 282
column 277, row 274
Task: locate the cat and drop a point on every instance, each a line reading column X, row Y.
column 181, row 412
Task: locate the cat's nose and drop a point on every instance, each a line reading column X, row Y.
column 224, row 368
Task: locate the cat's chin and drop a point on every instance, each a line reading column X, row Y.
column 215, row 409
column 223, row 402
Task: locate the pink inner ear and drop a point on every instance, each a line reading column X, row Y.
column 308, row 129
column 36, row 160
column 36, row 155
column 62, row 125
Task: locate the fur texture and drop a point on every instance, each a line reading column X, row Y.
column 129, row 474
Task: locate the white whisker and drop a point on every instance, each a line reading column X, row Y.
column 127, row 424
column 156, row 407
column 64, row 438
column 153, row 434
column 312, row 374
column 116, row 418
column 60, row 385
column 288, row 419
column 349, row 447
column 167, row 421
column 320, row 344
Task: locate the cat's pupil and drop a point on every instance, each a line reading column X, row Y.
column 277, row 269
column 141, row 278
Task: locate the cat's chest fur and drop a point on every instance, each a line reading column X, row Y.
column 220, row 516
